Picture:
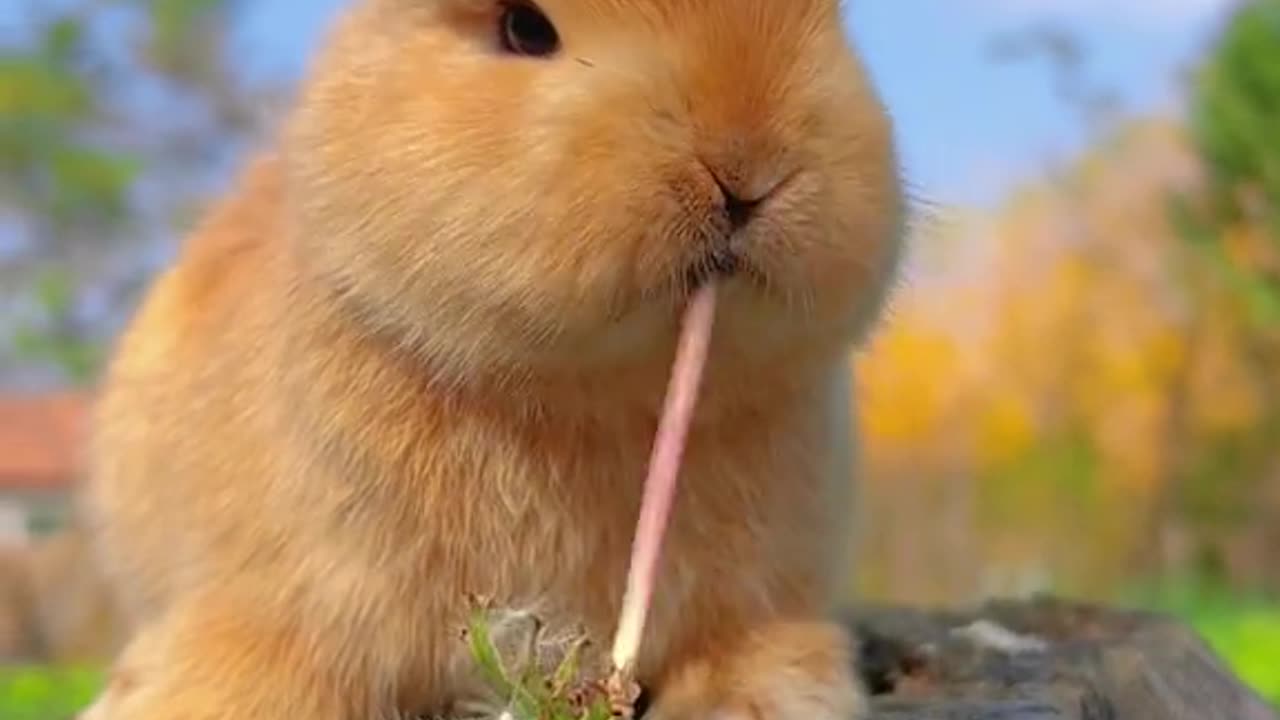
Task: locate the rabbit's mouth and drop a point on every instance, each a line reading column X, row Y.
column 718, row 264
column 722, row 262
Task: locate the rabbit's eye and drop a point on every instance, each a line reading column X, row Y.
column 526, row 31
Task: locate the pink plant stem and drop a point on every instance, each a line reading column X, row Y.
column 664, row 465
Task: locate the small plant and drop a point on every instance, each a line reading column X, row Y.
column 529, row 676
column 528, row 691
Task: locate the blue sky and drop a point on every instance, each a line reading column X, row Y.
column 968, row 128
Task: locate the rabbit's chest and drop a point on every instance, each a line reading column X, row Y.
column 548, row 528
column 555, row 534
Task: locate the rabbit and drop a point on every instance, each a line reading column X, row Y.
column 419, row 351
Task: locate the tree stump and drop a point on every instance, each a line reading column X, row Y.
column 1044, row 659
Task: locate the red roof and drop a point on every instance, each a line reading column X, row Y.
column 40, row 439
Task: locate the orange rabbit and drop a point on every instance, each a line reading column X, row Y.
column 421, row 349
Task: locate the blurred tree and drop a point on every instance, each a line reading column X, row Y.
column 1210, row 485
column 1234, row 115
column 1095, row 401
column 115, row 115
column 1232, row 225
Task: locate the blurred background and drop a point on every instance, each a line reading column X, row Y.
column 1076, row 389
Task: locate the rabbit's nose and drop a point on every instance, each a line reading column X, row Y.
column 739, row 209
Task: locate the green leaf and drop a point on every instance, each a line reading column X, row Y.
column 63, row 39
column 54, row 292
column 91, row 182
column 32, row 87
column 174, row 24
column 567, row 672
column 486, row 655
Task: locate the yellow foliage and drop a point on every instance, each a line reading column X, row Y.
column 1166, row 353
column 1225, row 395
column 909, row 378
column 1249, row 249
column 1006, row 428
column 1079, row 315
